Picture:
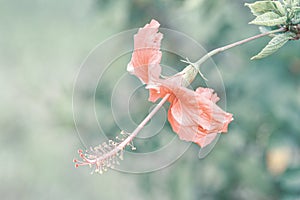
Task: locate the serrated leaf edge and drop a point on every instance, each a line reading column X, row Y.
column 276, row 43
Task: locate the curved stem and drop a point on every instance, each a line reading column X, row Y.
column 229, row 46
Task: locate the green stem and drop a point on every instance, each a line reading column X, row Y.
column 229, row 46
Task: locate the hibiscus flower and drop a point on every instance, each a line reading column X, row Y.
column 193, row 115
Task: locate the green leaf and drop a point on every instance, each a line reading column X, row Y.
column 269, row 19
column 276, row 43
column 261, row 7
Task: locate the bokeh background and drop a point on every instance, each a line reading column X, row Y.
column 42, row 45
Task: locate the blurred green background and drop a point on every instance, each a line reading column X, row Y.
column 42, row 45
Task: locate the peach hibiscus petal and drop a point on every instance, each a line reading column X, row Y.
column 205, row 140
column 193, row 115
column 208, row 93
column 174, row 124
column 205, row 111
column 146, row 55
column 158, row 88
